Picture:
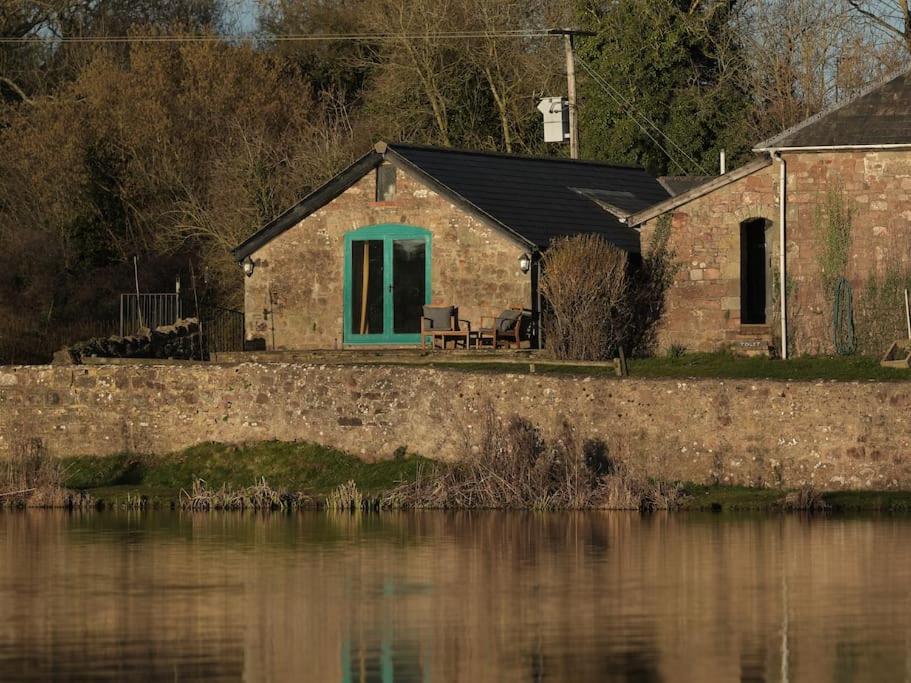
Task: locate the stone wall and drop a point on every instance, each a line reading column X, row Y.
column 294, row 300
column 704, row 304
column 834, row 435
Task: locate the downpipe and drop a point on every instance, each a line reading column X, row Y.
column 782, row 249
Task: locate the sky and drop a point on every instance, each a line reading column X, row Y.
column 243, row 13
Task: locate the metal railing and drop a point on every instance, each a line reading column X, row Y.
column 222, row 329
column 148, row 310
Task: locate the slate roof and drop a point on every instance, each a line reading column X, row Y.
column 678, row 184
column 877, row 115
column 535, row 199
column 539, row 198
column 701, row 190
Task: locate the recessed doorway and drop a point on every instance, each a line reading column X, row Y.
column 754, row 276
column 387, row 282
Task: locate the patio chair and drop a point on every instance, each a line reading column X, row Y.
column 508, row 327
column 443, row 323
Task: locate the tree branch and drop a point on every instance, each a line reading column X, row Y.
column 16, row 89
column 882, row 23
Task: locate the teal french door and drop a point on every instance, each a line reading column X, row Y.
column 387, row 282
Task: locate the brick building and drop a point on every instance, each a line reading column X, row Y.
column 727, row 231
column 353, row 262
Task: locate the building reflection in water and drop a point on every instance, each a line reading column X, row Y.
column 442, row 597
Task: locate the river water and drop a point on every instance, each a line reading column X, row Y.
column 454, row 597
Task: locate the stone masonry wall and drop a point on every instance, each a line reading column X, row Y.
column 833, row 435
column 294, row 300
column 704, row 303
column 877, row 187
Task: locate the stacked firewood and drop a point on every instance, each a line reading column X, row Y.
column 178, row 341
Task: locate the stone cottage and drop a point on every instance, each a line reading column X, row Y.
column 403, row 226
column 735, row 235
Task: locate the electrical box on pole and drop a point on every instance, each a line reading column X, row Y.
column 556, row 118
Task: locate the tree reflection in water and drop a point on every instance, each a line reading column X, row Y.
column 454, row 596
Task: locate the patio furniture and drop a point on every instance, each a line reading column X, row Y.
column 443, row 323
column 507, row 327
column 898, row 355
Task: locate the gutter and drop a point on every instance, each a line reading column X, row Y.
column 832, row 148
column 782, row 249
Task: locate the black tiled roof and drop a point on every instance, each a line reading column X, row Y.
column 879, row 115
column 541, row 198
column 533, row 198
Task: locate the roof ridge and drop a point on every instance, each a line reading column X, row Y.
column 509, row 155
column 769, row 143
column 705, row 188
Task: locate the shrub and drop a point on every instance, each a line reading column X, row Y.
column 516, row 468
column 649, row 291
column 585, row 282
column 598, row 302
column 676, row 351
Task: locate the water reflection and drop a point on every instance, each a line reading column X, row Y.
column 443, row 597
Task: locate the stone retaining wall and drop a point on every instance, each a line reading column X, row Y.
column 834, row 435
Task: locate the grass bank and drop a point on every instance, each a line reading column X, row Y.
column 309, row 469
column 318, row 473
column 747, row 499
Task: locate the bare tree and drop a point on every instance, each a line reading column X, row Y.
column 892, row 17
column 803, row 55
column 517, row 71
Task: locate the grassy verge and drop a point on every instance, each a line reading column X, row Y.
column 724, row 365
column 300, row 467
column 746, row 499
column 318, row 472
column 715, row 365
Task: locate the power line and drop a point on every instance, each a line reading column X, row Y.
column 618, row 97
column 277, row 38
column 645, row 130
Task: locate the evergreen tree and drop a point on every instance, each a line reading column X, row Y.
column 670, row 61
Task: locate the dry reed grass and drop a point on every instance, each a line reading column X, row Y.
column 259, row 496
column 31, row 478
column 805, row 499
column 516, row 468
column 346, row 497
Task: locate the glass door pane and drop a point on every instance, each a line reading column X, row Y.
column 367, row 287
column 409, row 269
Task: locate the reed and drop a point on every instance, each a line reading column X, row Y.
column 260, row 496
column 806, row 499
column 346, row 497
column 516, row 468
column 31, row 478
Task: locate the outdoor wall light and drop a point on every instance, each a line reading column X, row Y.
column 525, row 263
column 248, row 267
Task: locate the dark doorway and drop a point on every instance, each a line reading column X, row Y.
column 753, row 267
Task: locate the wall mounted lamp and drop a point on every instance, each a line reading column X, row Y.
column 525, row 263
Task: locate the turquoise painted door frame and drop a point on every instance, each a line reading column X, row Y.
column 388, row 233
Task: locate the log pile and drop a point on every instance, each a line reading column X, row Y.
column 178, row 341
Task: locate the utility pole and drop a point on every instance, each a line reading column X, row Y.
column 569, row 48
